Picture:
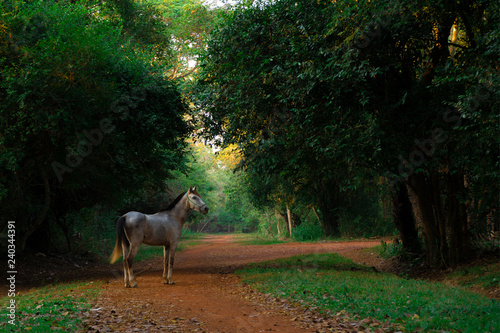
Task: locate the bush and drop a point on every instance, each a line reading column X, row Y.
column 307, row 231
column 93, row 230
column 390, row 250
column 365, row 226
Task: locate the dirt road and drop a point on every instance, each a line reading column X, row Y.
column 207, row 296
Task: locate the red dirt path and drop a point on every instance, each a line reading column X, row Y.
column 207, row 296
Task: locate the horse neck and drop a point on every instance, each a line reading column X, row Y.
column 181, row 210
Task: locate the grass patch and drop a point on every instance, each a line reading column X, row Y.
column 52, row 308
column 147, row 252
column 483, row 276
column 333, row 283
column 256, row 239
column 190, row 235
column 313, row 262
column 260, row 239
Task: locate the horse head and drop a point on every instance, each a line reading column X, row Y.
column 195, row 201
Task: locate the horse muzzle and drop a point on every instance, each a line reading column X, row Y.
column 204, row 209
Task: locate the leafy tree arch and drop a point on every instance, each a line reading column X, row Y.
column 318, row 94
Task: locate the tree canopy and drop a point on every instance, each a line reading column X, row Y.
column 336, row 115
column 87, row 115
column 321, row 97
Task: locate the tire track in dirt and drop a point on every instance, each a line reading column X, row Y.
column 207, row 296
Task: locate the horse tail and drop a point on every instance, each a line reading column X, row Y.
column 120, row 238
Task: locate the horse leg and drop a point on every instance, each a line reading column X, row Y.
column 125, row 249
column 134, row 248
column 166, row 249
column 169, row 254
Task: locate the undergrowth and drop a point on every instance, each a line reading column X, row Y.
column 333, row 283
column 52, row 308
column 485, row 276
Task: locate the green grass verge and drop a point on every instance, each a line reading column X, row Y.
column 480, row 275
column 483, row 276
column 333, row 283
column 256, row 239
column 51, row 308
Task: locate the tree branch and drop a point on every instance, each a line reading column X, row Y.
column 189, row 72
column 458, row 45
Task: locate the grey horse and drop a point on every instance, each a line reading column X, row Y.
column 161, row 229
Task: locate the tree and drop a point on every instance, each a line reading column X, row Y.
column 189, row 22
column 323, row 96
column 223, row 190
column 86, row 114
column 267, row 77
column 422, row 81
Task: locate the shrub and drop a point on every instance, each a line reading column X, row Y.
column 307, row 231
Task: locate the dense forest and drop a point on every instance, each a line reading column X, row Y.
column 294, row 119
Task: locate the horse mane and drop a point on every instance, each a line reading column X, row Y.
column 173, row 203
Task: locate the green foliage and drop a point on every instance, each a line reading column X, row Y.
column 484, row 275
column 86, row 115
column 308, row 231
column 222, row 189
column 189, row 22
column 309, row 261
column 268, row 225
column 390, row 250
column 91, row 230
column 51, row 308
column 334, row 284
column 359, row 226
column 268, row 86
column 326, row 98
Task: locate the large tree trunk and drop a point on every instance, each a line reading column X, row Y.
column 327, row 194
column 444, row 216
column 424, row 205
column 457, row 219
column 437, row 208
column 404, row 220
